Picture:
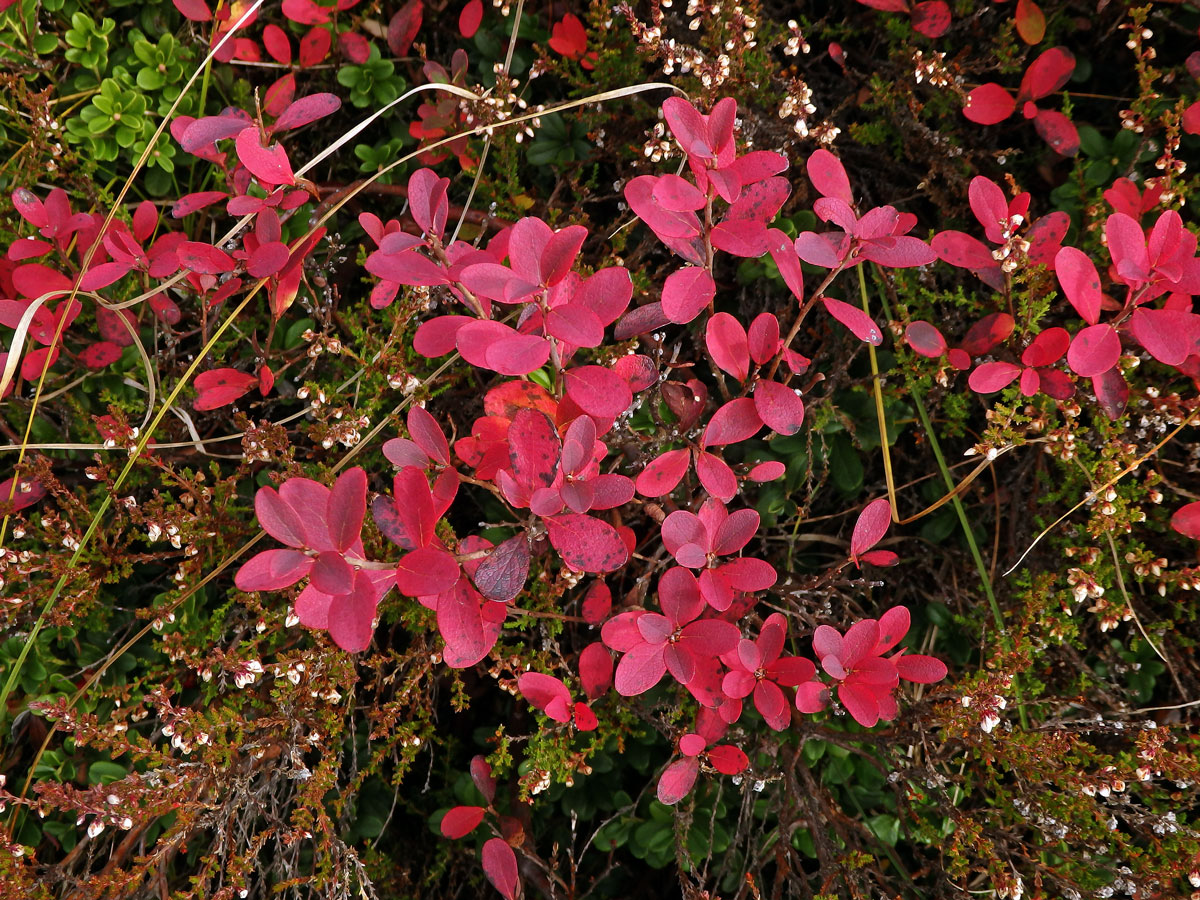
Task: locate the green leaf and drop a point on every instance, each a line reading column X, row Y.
column 886, row 828
column 104, row 772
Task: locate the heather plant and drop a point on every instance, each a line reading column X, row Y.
column 780, row 474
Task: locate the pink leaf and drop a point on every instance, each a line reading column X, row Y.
column 1094, row 350
column 595, row 670
column 767, row 471
column 268, row 164
column 677, row 194
column 989, row 104
column 1168, row 335
column 542, row 691
column 727, row 343
column 1080, row 282
column 686, row 292
column 500, row 866
column 598, row 391
column 763, row 338
column 925, row 339
column 993, row 376
column 734, row 422
column 919, row 668
column 346, row 508
column 1047, row 348
column 461, row 821
column 716, row 477
column 828, row 176
column 266, row 571
column 204, row 259
column 783, row 253
column 426, row 571
column 597, row 603
column 307, row 109
column 855, row 319
column 194, row 10
column 871, row 526
column 1186, row 520
column 677, row 780
column 587, row 544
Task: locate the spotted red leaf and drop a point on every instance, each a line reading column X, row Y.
column 19, row 493
column 597, row 603
column 663, row 474
column 677, row 780
column 1058, row 131
column 931, row 18
column 587, row 544
column 307, row 109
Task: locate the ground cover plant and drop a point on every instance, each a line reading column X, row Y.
column 599, row 451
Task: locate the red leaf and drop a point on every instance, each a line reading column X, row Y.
column 502, row 574
column 190, row 203
column 931, row 18
column 1031, row 22
column 500, row 866
column 546, row 693
column 1186, row 520
column 595, row 670
column 919, row 668
column 1094, row 350
column 598, row 391
column 1047, row 348
column 677, row 194
column 278, row 47
column 727, row 343
column 729, row 760
column 763, row 338
column 780, row 407
column 993, row 376
column 686, row 292
column 855, row 319
column 354, row 47
column 989, row 104
column 27, row 492
column 767, row 471
column 1046, row 74
column 195, row 10
column 204, row 259
column 828, row 176
column 469, row 18
column 987, row 333
column 461, row 821
column 220, row 387
column 481, row 774
column 427, row 435
column 279, row 95
column 268, row 164
column 268, row 259
column 925, row 339
column 587, row 544
column 533, row 449
column 305, row 12
column 783, row 254
column 597, row 603
column 403, row 27
column 638, row 370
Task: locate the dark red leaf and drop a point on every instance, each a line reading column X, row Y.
column 925, row 339
column 931, row 18
column 1058, row 131
column 403, row 27
column 502, row 574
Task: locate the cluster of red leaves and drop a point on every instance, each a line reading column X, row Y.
column 991, row 103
